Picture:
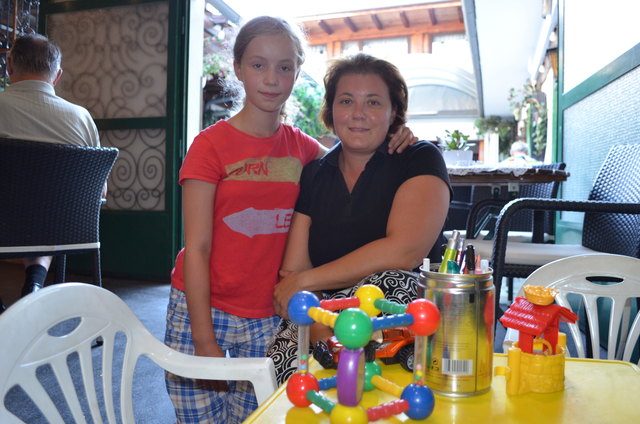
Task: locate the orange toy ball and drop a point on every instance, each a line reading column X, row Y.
column 298, row 386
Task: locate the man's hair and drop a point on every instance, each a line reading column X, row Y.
column 519, row 147
column 36, row 54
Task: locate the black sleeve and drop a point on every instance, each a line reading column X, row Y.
column 424, row 158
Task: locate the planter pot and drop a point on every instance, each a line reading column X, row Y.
column 458, row 157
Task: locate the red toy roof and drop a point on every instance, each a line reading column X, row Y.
column 529, row 318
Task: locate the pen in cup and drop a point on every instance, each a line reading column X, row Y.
column 450, row 252
column 470, row 260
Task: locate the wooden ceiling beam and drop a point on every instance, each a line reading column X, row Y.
column 325, row 27
column 398, row 31
column 408, row 9
column 405, row 19
column 432, row 17
column 376, row 21
column 349, row 23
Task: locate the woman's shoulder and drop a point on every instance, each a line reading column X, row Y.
column 421, row 149
column 423, row 146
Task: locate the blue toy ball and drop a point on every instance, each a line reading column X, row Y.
column 299, row 305
column 421, row 401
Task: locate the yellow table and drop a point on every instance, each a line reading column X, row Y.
column 595, row 392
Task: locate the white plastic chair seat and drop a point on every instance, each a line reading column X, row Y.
column 569, row 275
column 29, row 344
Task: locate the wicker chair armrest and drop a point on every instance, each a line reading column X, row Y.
column 527, row 203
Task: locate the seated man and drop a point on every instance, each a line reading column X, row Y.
column 519, row 155
column 31, row 110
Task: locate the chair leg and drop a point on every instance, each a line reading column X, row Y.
column 97, row 273
column 61, row 264
column 510, row 289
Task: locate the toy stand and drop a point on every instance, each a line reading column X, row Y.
column 353, row 327
column 533, row 372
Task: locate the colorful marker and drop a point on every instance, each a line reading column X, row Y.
column 450, row 252
column 470, row 260
column 452, row 267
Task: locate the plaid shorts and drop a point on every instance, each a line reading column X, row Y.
column 240, row 337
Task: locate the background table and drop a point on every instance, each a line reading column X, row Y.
column 595, row 392
column 500, row 176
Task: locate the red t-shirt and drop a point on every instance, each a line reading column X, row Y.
column 257, row 185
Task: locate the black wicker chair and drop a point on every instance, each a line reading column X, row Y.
column 50, row 200
column 611, row 222
column 538, row 224
column 526, row 226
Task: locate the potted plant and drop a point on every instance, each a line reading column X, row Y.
column 456, row 148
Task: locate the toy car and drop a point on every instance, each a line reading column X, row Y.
column 396, row 346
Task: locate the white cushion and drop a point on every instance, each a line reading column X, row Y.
column 530, row 253
column 517, row 236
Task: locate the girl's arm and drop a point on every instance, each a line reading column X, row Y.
column 197, row 207
column 399, row 141
column 417, row 215
column 296, row 252
column 296, row 259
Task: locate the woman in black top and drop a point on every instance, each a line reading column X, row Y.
column 361, row 210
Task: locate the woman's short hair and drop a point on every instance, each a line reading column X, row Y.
column 365, row 64
column 36, row 54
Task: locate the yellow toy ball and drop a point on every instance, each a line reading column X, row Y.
column 342, row 414
column 367, row 294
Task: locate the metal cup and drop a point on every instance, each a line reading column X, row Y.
column 460, row 352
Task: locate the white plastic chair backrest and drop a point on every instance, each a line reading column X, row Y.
column 28, row 344
column 569, row 275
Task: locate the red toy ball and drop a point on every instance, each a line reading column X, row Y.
column 426, row 317
column 298, row 386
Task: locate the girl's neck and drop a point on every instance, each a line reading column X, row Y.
column 256, row 123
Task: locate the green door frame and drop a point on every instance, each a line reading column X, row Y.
column 143, row 244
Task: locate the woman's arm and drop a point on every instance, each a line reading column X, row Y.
column 197, row 208
column 417, row 215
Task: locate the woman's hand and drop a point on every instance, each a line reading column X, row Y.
column 401, row 139
column 289, row 285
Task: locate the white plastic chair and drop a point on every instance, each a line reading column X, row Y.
column 30, row 342
column 570, row 275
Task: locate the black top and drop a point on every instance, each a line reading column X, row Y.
column 343, row 221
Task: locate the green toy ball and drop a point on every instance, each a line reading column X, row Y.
column 353, row 328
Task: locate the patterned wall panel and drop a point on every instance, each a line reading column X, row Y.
column 137, row 180
column 115, row 65
column 114, row 59
column 608, row 117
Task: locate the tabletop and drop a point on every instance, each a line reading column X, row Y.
column 596, row 391
column 503, row 175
